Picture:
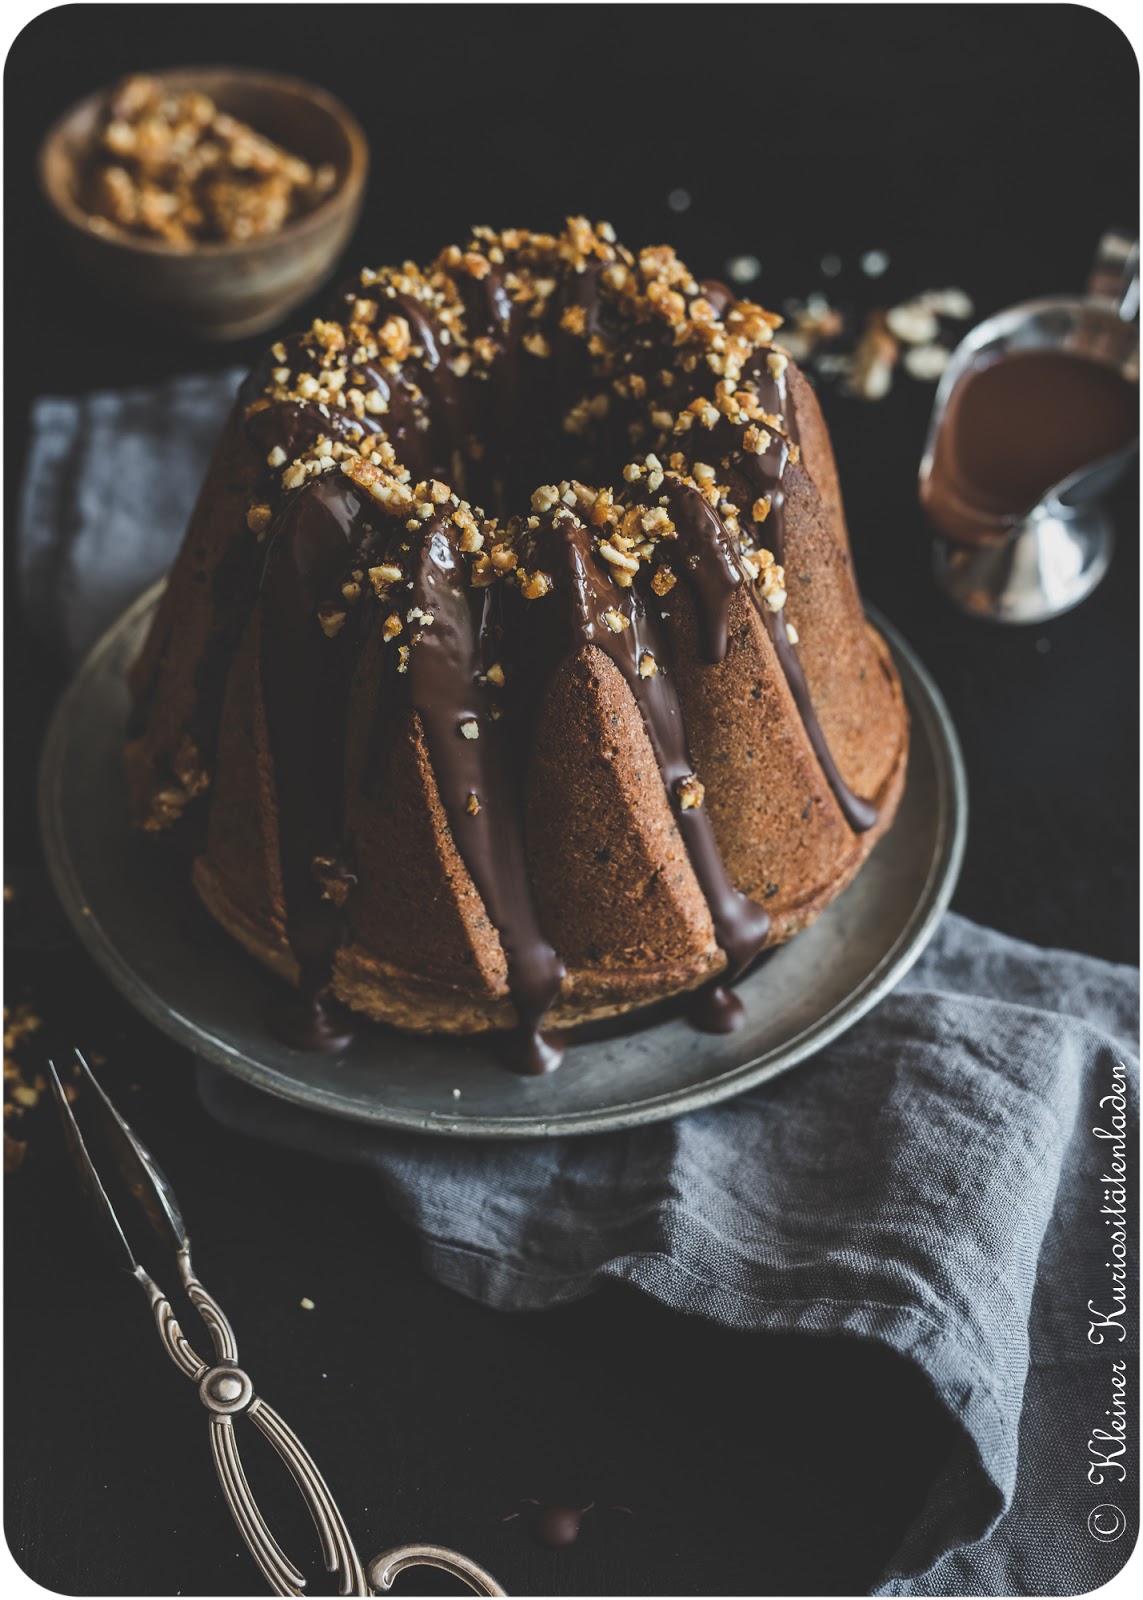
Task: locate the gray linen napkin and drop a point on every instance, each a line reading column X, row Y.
column 110, row 481
column 932, row 1180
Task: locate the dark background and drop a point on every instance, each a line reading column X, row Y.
column 985, row 147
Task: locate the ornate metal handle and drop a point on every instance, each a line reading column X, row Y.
column 337, row 1546
column 273, row 1563
column 226, row 1391
column 383, row 1569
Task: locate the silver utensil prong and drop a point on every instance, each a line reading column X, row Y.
column 89, row 1179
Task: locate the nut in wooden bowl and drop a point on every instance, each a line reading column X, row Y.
column 221, row 253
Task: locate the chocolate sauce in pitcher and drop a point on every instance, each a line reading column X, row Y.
column 1015, row 425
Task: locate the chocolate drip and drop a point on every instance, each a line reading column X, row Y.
column 860, row 814
column 719, row 294
column 445, row 399
column 763, row 475
column 583, row 593
column 716, row 1009
column 405, row 419
column 305, row 678
column 450, row 694
column 520, row 411
column 707, row 563
column 296, row 427
column 234, row 591
column 487, row 305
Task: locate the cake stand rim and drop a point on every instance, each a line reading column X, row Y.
column 927, row 711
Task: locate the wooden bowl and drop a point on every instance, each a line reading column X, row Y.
column 219, row 291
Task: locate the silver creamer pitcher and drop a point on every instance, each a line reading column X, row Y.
column 1043, row 561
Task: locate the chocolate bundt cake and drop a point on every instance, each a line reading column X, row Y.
column 513, row 661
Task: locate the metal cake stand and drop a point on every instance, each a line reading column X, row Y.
column 131, row 907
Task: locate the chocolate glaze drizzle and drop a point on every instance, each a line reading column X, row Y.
column 451, row 696
column 762, row 476
column 304, row 678
column 582, row 595
column 477, row 744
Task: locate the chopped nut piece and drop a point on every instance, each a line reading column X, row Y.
column 690, row 792
column 912, row 323
column 870, row 372
column 470, row 729
column 545, row 497
column 277, row 457
column 382, row 577
column 615, row 620
column 948, row 303
column 648, row 666
column 258, row 519
column 761, row 508
column 926, row 362
column 756, row 440
column 535, row 585
column 663, row 581
column 616, row 558
column 791, row 633
column 503, row 557
column 331, row 621
column 495, row 674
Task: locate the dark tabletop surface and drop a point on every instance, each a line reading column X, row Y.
column 984, row 147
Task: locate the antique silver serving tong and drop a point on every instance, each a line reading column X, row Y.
column 223, row 1386
column 1060, row 551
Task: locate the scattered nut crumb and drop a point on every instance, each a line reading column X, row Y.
column 691, row 792
column 912, row 323
column 926, row 362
